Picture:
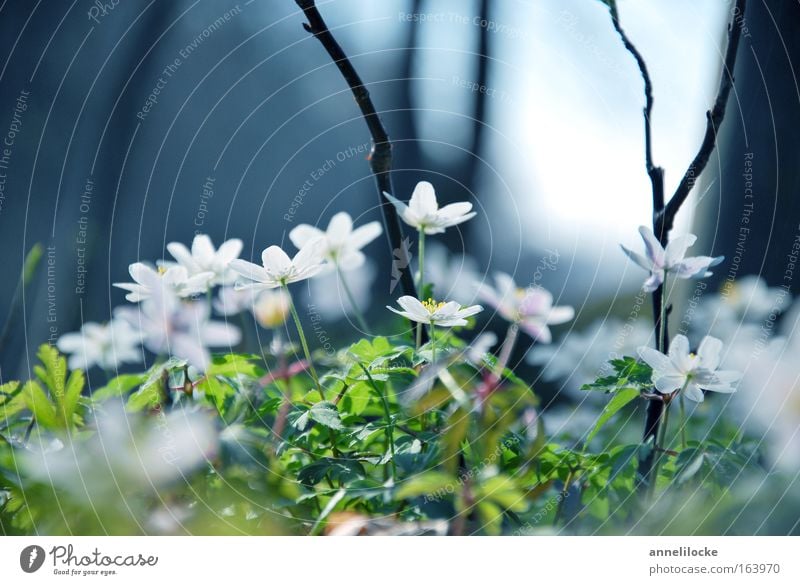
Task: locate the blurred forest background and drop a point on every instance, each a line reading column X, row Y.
column 532, row 110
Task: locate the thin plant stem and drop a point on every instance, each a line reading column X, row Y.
column 389, row 422
column 659, row 445
column 508, row 347
column 303, row 342
column 420, row 327
column 433, row 343
column 421, row 262
column 351, row 299
column 683, row 421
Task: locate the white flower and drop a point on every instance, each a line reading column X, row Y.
column 128, row 450
column 181, row 329
column 278, row 269
column 147, row 280
column 692, row 372
column 432, row 313
column 672, row 260
column 271, row 308
column 340, row 243
column 423, row 213
column 230, row 301
column 453, row 275
column 581, row 357
column 105, row 345
column 205, row 258
column 531, row 308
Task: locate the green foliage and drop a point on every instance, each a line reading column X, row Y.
column 628, row 373
column 393, row 439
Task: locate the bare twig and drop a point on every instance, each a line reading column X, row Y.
column 381, row 155
column 714, row 118
column 664, row 212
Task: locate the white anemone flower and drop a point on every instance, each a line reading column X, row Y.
column 531, row 308
column 168, row 325
column 691, row 373
column 444, row 314
column 340, row 244
column 423, row 212
column 128, row 450
column 203, row 257
column 672, row 260
column 104, row 345
column 147, row 280
column 278, row 269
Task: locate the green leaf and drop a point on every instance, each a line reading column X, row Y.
column 690, row 462
column 72, row 394
column 341, row 470
column 39, row 404
column 359, row 395
column 234, row 364
column 617, row 402
column 628, row 372
column 491, row 517
column 326, row 414
column 52, row 372
column 427, row 484
column 118, row 386
column 503, row 491
column 13, row 401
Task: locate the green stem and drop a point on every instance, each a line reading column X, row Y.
column 683, row 421
column 421, row 262
column 351, row 299
column 389, row 422
column 433, row 343
column 660, row 445
column 662, row 325
column 303, row 342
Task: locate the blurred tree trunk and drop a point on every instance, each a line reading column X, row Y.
column 756, row 221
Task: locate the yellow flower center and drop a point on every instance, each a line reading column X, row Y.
column 432, row 305
column 162, row 270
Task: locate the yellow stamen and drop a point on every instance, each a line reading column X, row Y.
column 432, row 305
column 162, row 270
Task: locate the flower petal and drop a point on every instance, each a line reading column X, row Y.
column 276, row 262
column 365, row 234
column 637, row 258
column 709, row 352
column 229, row 250
column 655, row 252
column 423, row 200
column 667, row 383
column 251, row 271
column 676, row 248
column 202, row 249
column 655, row 359
column 303, row 234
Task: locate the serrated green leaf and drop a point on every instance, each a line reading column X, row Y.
column 326, row 414
column 617, row 402
column 359, row 395
column 39, row 404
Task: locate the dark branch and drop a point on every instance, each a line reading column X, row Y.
column 381, row 154
column 655, row 173
column 714, row 120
